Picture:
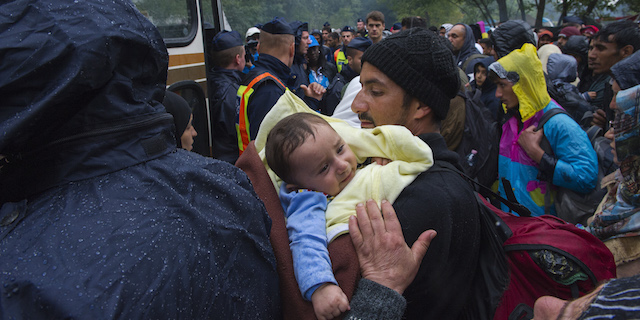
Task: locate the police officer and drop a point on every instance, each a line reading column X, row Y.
column 272, row 75
column 225, row 77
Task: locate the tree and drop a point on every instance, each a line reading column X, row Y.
column 502, row 9
column 540, row 4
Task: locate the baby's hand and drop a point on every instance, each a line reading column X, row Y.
column 380, row 161
column 329, row 301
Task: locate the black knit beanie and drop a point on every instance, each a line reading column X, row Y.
column 418, row 61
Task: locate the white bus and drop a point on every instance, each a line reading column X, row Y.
column 187, row 26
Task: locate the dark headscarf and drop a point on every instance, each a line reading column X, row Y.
column 181, row 112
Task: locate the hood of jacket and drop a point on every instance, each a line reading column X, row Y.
column 627, row 71
column 531, row 88
column 81, row 85
column 488, row 85
column 469, row 46
column 562, row 67
column 510, row 36
column 68, row 71
column 577, row 46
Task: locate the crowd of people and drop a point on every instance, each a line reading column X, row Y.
column 106, row 213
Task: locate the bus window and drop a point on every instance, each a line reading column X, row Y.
column 177, row 21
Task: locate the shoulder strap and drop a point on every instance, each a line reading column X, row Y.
column 547, row 115
column 483, row 190
column 471, row 58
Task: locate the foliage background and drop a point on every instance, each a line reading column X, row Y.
column 242, row 14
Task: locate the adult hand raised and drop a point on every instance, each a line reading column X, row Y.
column 383, row 254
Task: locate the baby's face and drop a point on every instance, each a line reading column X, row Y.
column 324, row 163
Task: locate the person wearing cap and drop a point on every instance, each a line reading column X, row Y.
column 251, row 48
column 343, row 89
column 409, row 79
column 360, row 25
column 347, row 33
column 318, row 69
column 375, row 26
column 544, row 37
column 444, row 30
column 565, row 34
column 253, row 33
column 264, row 85
column 396, row 27
column 228, row 58
column 572, row 21
column 522, row 161
column 589, row 31
column 102, row 217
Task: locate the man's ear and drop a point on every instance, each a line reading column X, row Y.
column 238, row 59
column 422, row 111
column 292, row 50
column 626, row 51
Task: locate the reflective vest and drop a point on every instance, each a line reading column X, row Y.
column 242, row 119
column 340, row 58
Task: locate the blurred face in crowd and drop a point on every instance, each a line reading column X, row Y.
column 304, row 43
column 375, row 29
column 346, row 37
column 325, row 35
column 486, row 49
column 313, row 54
column 545, row 39
column 355, row 61
column 480, row 75
column 456, row 36
column 562, row 40
column 360, row 25
column 187, row 136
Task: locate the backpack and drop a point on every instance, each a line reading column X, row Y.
column 546, row 256
column 481, row 134
column 571, row 206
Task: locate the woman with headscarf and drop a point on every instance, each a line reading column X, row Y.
column 182, row 118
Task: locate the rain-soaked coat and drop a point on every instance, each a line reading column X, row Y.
column 100, row 216
column 574, row 165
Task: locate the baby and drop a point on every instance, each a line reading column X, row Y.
column 315, row 163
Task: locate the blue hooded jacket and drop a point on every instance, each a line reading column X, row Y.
column 100, row 216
